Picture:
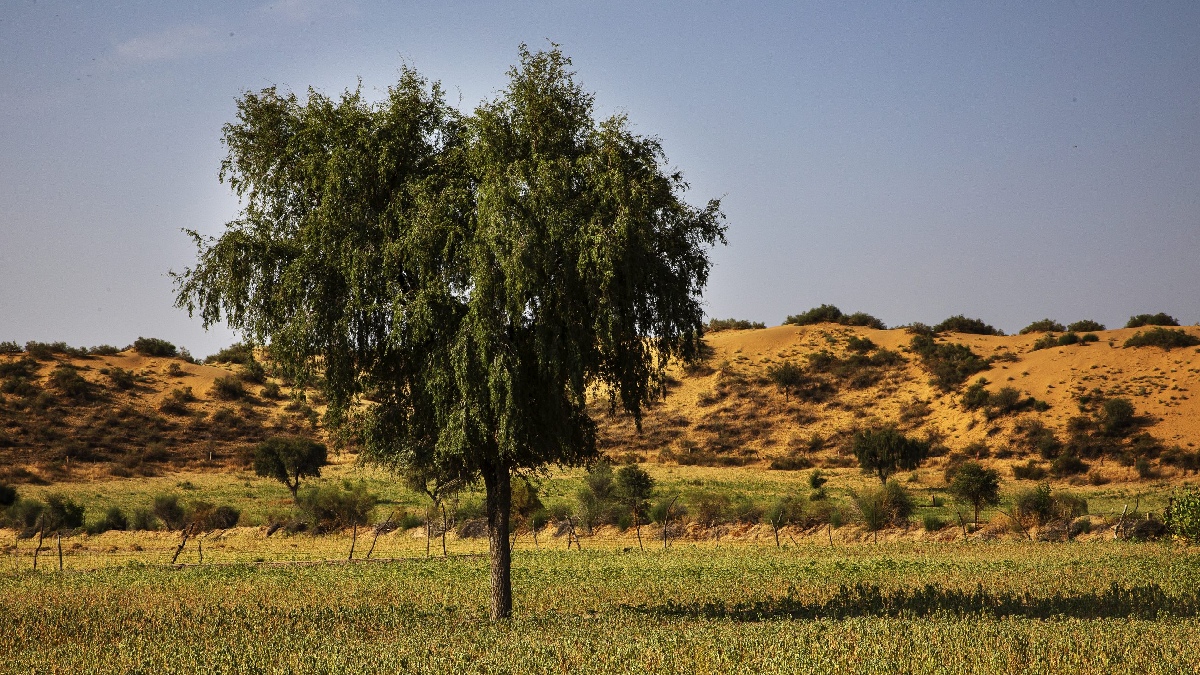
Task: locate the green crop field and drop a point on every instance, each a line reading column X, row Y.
column 983, row 607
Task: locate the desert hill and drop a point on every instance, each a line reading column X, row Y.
column 728, row 411
column 1012, row 401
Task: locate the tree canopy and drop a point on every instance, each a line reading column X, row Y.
column 478, row 274
column 885, row 451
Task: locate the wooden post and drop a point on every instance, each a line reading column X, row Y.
column 58, row 540
column 200, row 549
column 353, row 539
column 41, row 534
column 186, row 532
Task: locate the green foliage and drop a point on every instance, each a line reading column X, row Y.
column 120, row 377
column 176, row 400
column 238, row 352
column 287, row 459
column 1164, row 338
column 932, row 522
column 889, row 504
column 1067, row 464
column 8, row 495
column 976, row 486
column 950, row 364
column 67, row 380
column 1031, row 470
column 271, row 392
column 1160, row 319
column 717, row 325
column 228, row 388
column 886, row 451
column 104, row 350
column 45, row 351
column 1085, row 326
column 23, row 367
column 333, row 506
column 154, row 347
column 62, row 514
column 168, row 509
column 633, row 489
column 206, row 516
column 1116, row 417
column 252, row 372
column 1183, row 516
column 481, row 274
column 816, row 479
column 114, row 519
column 857, row 344
column 1043, row 326
column 788, row 377
column 961, row 324
column 831, row 314
column 10, row 347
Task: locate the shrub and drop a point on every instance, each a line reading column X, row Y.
column 205, row 516
column 120, row 377
column 45, row 351
column 1164, row 338
column 717, row 325
column 860, row 344
column 950, row 364
column 831, row 314
column 1088, row 337
column 976, row 396
column 1067, row 464
column 67, row 380
column 62, row 514
column 961, row 324
column 24, row 367
column 329, row 507
column 104, row 350
column 9, row 347
column 788, row 377
column 142, row 519
column 783, row 511
column 1116, row 417
column 817, row 480
column 1085, row 326
column 154, row 347
column 1160, row 319
column 271, row 391
column 167, row 509
column 932, row 522
column 1031, row 470
column 175, row 402
column 1043, row 326
column 898, row 502
column 253, row 372
column 1183, row 515
column 114, row 519
column 228, row 388
column 885, row 451
column 8, row 495
column 237, row 352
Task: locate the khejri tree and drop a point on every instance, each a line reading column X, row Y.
column 458, row 284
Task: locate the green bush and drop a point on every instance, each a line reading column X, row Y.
column 831, row 314
column 142, row 519
column 862, row 345
column 228, row 388
column 885, row 451
column 62, row 514
column 120, row 377
column 1164, row 338
column 718, row 325
column 67, row 380
column 961, row 324
column 1031, row 470
column 949, row 364
column 333, row 506
column 8, row 495
column 1043, row 326
column 252, row 372
column 104, row 350
column 45, row 351
column 1160, row 319
column 1116, row 417
column 168, row 509
column 817, row 480
column 1067, row 464
column 9, row 347
column 114, row 519
column 1183, row 515
column 1085, row 326
column 206, row 516
column 154, row 347
column 24, row 367
column 976, row 396
column 237, row 352
column 932, row 522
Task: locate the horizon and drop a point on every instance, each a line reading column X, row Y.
column 912, row 163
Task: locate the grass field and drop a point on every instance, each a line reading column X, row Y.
column 606, row 610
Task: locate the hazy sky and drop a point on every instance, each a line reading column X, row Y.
column 912, row 160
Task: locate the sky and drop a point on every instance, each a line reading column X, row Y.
column 1007, row 161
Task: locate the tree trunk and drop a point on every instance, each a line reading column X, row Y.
column 497, row 482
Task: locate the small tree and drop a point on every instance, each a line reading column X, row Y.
column 782, row 512
column 885, row 451
column 438, row 488
column 633, row 489
column 287, row 459
column 977, row 485
column 787, row 376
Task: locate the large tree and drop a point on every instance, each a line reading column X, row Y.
column 480, row 276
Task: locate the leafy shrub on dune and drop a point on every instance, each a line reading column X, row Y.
column 717, row 325
column 154, row 347
column 1043, row 326
column 1160, row 319
column 950, row 364
column 1164, row 338
column 961, row 324
column 1085, row 326
column 831, row 314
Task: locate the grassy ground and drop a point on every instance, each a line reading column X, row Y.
column 605, row 610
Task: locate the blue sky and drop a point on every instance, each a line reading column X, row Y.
column 1009, row 161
